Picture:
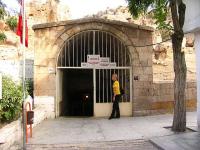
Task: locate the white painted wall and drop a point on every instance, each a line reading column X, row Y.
column 197, row 48
column 192, row 24
column 192, row 16
column 14, row 69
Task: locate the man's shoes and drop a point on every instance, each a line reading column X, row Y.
column 111, row 117
column 118, row 117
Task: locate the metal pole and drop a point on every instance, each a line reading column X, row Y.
column 23, row 79
column 84, row 37
column 81, row 49
column 93, row 42
column 102, row 47
column 99, row 98
column 65, row 54
column 107, row 69
column 88, row 42
column 68, row 52
column 76, row 50
column 73, row 51
column 94, row 90
column 110, row 73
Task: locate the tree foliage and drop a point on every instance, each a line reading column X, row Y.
column 2, row 13
column 12, row 22
column 2, row 10
column 11, row 103
column 159, row 9
column 2, row 37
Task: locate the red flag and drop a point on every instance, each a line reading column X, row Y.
column 20, row 26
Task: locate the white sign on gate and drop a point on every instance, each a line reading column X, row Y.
column 84, row 65
column 113, row 64
column 93, row 59
column 0, row 86
column 104, row 59
column 104, row 62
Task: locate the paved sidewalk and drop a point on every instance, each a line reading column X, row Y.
column 182, row 141
column 83, row 130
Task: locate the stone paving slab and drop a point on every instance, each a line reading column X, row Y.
column 75, row 130
column 182, row 141
column 72, row 133
column 111, row 145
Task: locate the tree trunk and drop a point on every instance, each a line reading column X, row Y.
column 179, row 120
column 180, row 70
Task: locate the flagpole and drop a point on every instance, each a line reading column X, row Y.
column 23, row 80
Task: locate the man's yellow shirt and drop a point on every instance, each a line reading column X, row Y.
column 116, row 88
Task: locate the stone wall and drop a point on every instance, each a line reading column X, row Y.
column 148, row 97
column 44, row 11
column 163, row 97
column 50, row 37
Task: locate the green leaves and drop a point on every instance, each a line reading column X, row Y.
column 2, row 12
column 12, row 22
column 2, row 37
column 159, row 10
column 137, row 7
column 10, row 105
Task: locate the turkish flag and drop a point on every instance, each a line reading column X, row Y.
column 20, row 26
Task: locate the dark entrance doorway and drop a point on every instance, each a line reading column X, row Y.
column 77, row 92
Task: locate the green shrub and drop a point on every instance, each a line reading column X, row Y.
column 2, row 37
column 12, row 22
column 29, row 87
column 2, row 13
column 11, row 102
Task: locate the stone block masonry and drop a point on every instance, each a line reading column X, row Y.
column 148, row 97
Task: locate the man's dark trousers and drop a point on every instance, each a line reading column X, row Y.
column 116, row 107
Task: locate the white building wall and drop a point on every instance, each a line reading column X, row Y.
column 192, row 16
column 13, row 69
column 197, row 48
column 192, row 24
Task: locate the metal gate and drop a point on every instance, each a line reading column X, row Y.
column 96, row 42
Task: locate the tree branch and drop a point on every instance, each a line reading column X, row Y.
column 181, row 12
column 175, row 17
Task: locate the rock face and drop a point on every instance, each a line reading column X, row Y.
column 44, row 11
column 2, row 25
column 160, row 52
column 189, row 40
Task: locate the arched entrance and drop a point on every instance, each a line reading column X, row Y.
column 85, row 65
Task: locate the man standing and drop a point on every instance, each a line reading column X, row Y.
column 116, row 97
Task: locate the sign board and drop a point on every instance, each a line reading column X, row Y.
column 113, row 64
column 84, row 65
column 51, row 70
column 104, row 62
column 104, row 59
column 93, row 59
column 0, row 86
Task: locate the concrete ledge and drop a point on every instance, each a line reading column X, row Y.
column 9, row 134
column 89, row 20
column 12, row 132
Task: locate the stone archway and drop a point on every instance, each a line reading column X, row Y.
column 51, row 37
column 74, row 52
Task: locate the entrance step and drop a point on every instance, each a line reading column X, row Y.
column 107, row 145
